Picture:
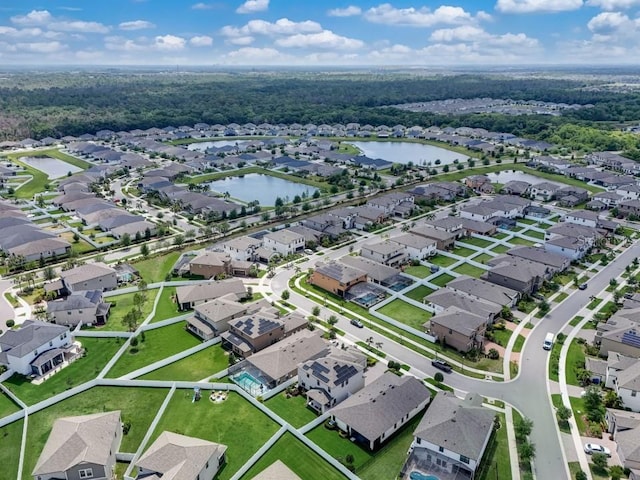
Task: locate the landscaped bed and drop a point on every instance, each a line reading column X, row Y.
column 293, row 409
column 298, row 457
column 234, row 422
column 99, row 352
column 158, row 344
column 406, row 313
column 193, row 368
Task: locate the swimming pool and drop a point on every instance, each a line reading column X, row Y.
column 367, row 299
column 248, row 382
column 415, row 475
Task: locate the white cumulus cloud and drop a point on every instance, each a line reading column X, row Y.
column 613, row 4
column 283, row 26
column 253, row 6
column 607, row 22
column 169, row 42
column 420, row 17
column 43, row 18
column 535, row 6
column 201, row 41
column 349, row 11
column 136, row 25
column 324, row 39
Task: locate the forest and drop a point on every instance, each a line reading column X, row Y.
column 72, row 103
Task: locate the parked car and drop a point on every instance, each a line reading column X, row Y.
column 356, row 323
column 596, row 448
column 442, row 365
column 582, row 286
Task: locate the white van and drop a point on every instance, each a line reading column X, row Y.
column 548, row 341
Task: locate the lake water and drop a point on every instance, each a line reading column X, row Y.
column 509, row 175
column 405, row 152
column 53, row 167
column 202, row 146
column 257, row 186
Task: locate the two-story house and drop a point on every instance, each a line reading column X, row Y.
column 416, row 247
column 458, row 329
column 241, row 248
column 284, row 242
column 188, row 296
column 544, row 191
column 336, row 277
column 388, row 253
column 582, row 217
column 82, row 447
column 212, row 318
column 90, row 276
column 86, row 307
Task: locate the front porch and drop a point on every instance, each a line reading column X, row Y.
column 52, row 361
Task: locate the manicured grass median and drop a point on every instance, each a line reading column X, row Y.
column 419, row 293
column 406, row 313
column 468, row 269
column 419, row 271
column 575, row 361
column 99, row 352
column 158, row 344
column 193, row 368
column 234, row 422
column 442, row 279
column 298, row 457
column 594, row 303
column 293, row 409
column 138, row 406
column 518, row 344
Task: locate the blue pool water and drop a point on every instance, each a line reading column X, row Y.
column 422, row 476
column 247, row 382
column 367, row 299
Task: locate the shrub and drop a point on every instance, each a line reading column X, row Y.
column 493, row 354
column 438, row 377
column 10, row 323
column 134, row 342
column 126, row 426
column 580, row 475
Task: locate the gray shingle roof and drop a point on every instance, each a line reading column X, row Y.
column 340, row 272
column 31, row 335
column 86, row 272
column 277, row 471
column 483, row 289
column 76, row 301
column 209, row 290
column 458, row 320
column 75, row 440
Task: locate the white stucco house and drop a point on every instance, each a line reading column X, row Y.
column 285, row 242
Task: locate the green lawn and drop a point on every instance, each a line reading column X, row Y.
column 478, row 242
column 467, row 269
column 195, row 367
column 442, row 279
column 158, row 344
column 419, row 293
column 294, row 409
column 594, row 303
column 502, row 336
column 235, row 423
column 577, row 405
column 501, row 235
column 527, row 221
column 534, row 234
column 482, row 258
column 520, row 241
column 561, row 297
column 500, row 249
column 99, row 352
column 155, row 269
column 496, row 462
column 419, row 271
column 576, row 320
column 519, row 343
column 166, row 307
column 298, row 457
column 81, row 247
column 6, row 405
column 575, row 360
column 124, row 304
column 10, row 452
column 406, row 313
column 462, row 251
column 563, row 278
column 556, row 399
column 442, row 260
column 138, row 406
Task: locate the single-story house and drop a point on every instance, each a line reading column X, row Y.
column 188, row 296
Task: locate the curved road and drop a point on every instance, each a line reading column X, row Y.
column 528, row 392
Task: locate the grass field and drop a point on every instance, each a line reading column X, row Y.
column 478, row 242
column 293, row 409
column 10, row 452
column 500, row 249
column 521, row 241
column 99, row 352
column 442, row 260
column 158, row 344
column 419, row 293
column 193, row 368
column 467, row 269
column 6, row 405
column 419, row 271
column 575, row 360
column 406, row 313
column 166, row 307
column 298, row 457
column 463, row 251
column 442, row 279
column 534, row 234
column 138, row 406
column 155, row 269
column 124, row 304
column 496, row 460
column 482, row 258
column 235, row 423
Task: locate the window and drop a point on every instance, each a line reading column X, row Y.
column 633, row 393
column 86, row 473
column 464, row 459
column 51, row 344
column 418, row 440
column 441, row 449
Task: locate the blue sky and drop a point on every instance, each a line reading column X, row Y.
column 319, row 32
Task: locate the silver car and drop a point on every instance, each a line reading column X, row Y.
column 591, row 448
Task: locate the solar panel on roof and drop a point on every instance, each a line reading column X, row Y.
column 631, row 338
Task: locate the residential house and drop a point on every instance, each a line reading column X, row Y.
column 445, row 191
column 479, row 183
column 444, row 240
column 582, row 217
column 629, row 192
column 210, row 264
column 454, row 225
column 620, row 333
column 453, row 434
column 279, row 362
column 386, row 252
column 37, row 348
column 627, row 386
column 284, row 242
column 416, row 247
column 629, row 207
column 610, row 199
column 458, row 329
column 241, row 248
column 570, row 247
column 474, row 226
column 444, row 298
column 570, row 196
column 389, row 202
column 175, row 456
column 615, row 363
column 86, row 308
column 277, row 471
column 515, row 187
column 378, row 273
column 328, row 225
column 377, row 411
column 544, row 191
column 90, row 276
column 329, row 380
column 212, row 318
column 518, row 274
column 480, row 212
column 188, row 296
column 336, row 277
column 624, row 427
column 558, row 263
column 82, row 447
column 484, row 290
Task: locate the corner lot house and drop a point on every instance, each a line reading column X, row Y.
column 82, row 447
column 80, row 307
column 374, row 413
column 625, row 428
column 37, row 347
column 458, row 328
column 453, row 434
column 175, row 456
column 90, row 276
column 188, row 296
column 335, row 277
